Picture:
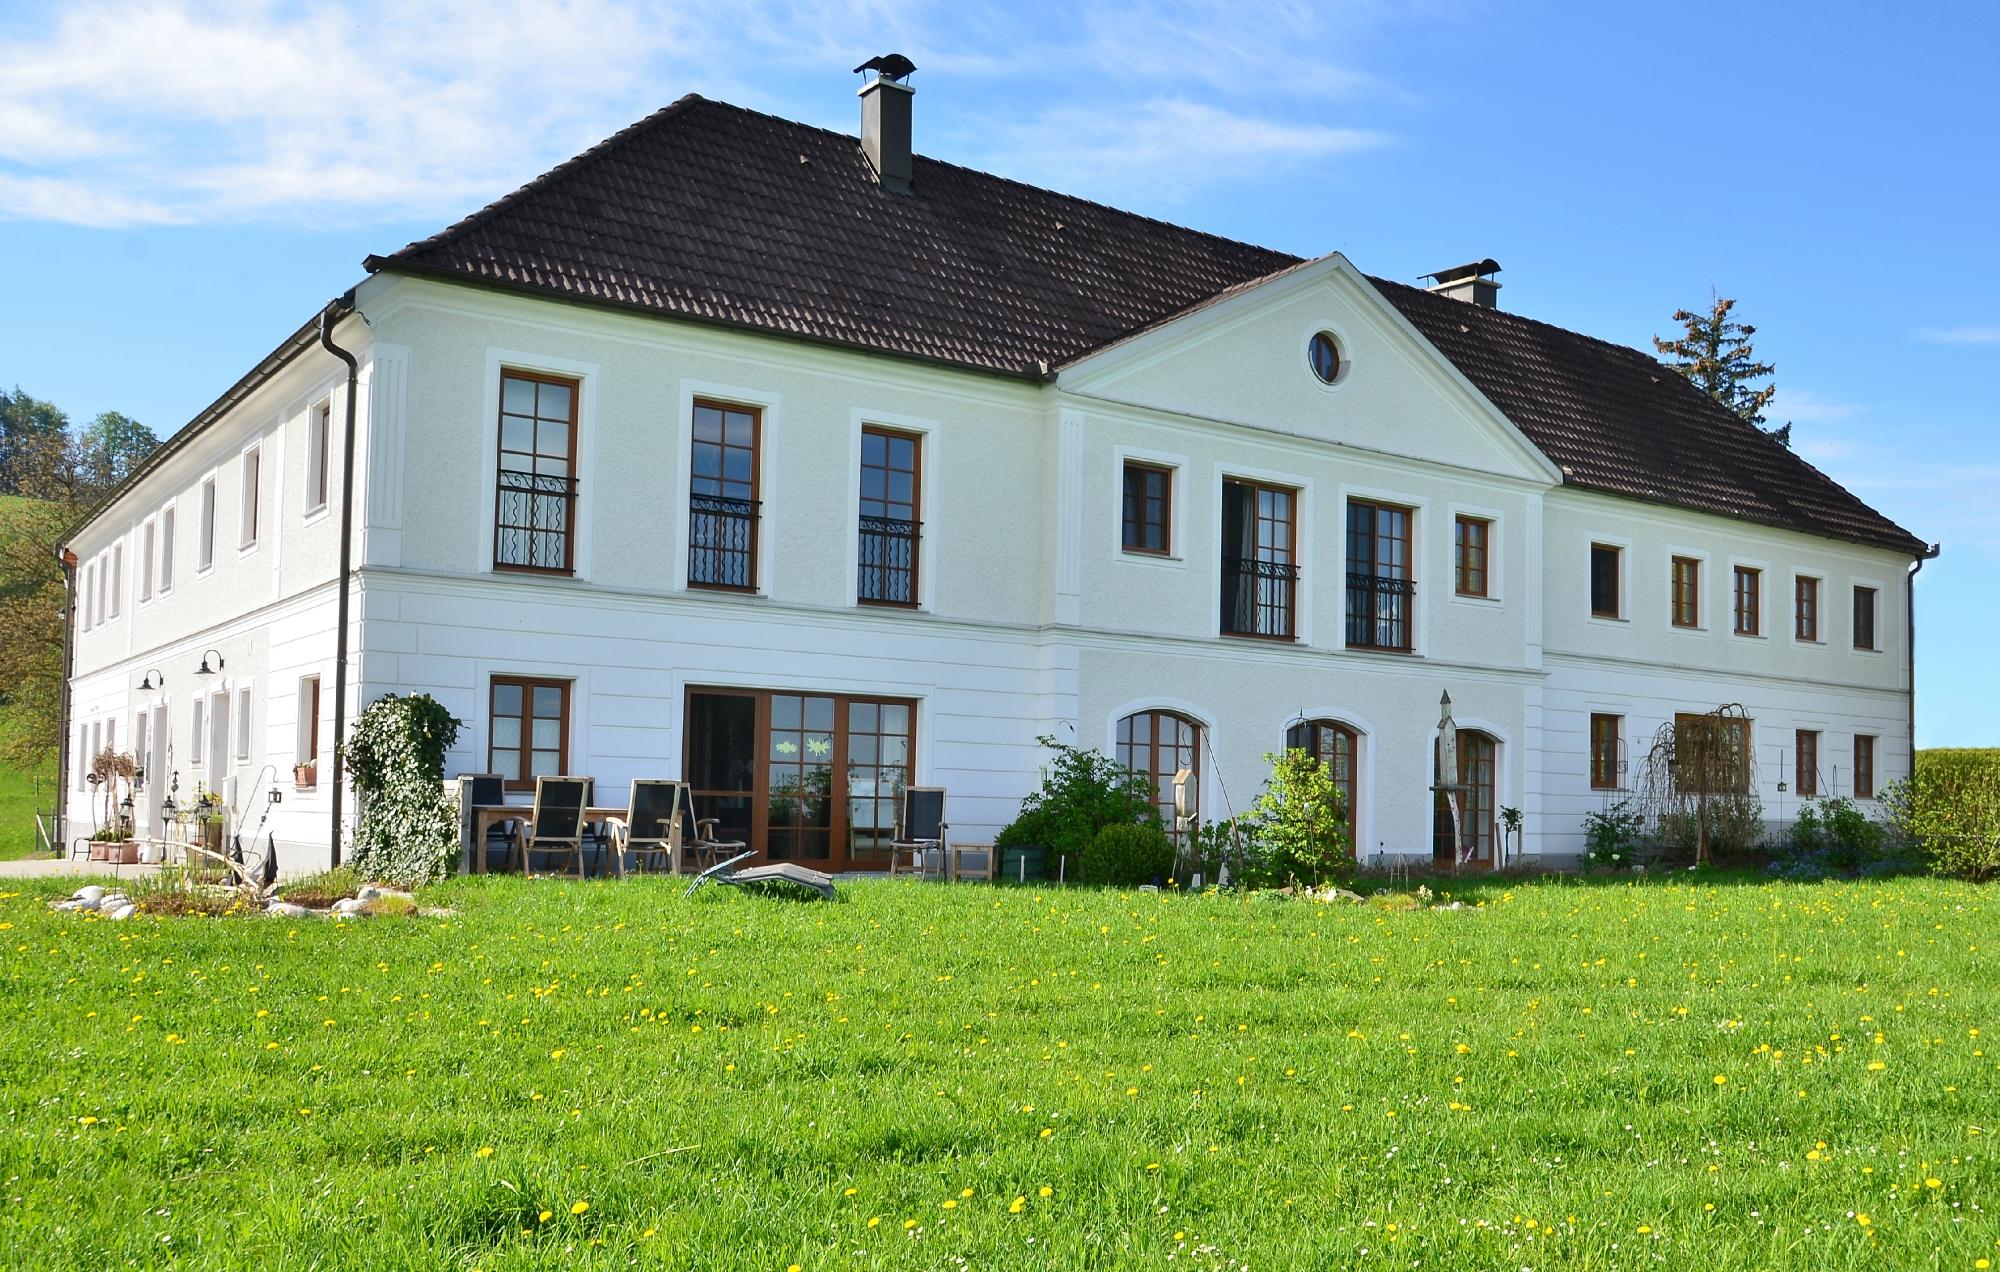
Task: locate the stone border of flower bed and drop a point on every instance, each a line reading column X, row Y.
column 114, row 903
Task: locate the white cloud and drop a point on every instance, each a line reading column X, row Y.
column 1803, row 406
column 122, row 112
column 1974, row 335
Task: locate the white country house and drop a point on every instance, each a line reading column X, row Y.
column 752, row 453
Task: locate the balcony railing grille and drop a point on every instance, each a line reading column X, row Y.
column 1258, row 596
column 889, row 560
column 722, row 542
column 532, row 517
column 1378, row 611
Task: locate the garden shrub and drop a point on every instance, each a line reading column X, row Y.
column 409, row 829
column 1082, row 793
column 1301, row 832
column 1126, row 855
column 1611, row 837
column 1950, row 810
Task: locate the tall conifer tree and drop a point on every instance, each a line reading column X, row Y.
column 1715, row 353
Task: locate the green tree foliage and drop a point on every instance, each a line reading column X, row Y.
column 409, row 829
column 1082, row 793
column 58, row 476
column 24, row 421
column 1301, row 833
column 1715, row 354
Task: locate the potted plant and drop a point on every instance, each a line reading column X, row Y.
column 306, row 776
column 111, row 772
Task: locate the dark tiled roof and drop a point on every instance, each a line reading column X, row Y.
column 714, row 213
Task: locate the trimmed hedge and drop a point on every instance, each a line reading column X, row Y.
column 1126, row 856
column 1950, row 808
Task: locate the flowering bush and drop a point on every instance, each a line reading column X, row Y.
column 409, row 830
column 1610, row 837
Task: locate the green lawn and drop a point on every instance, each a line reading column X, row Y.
column 17, row 808
column 1722, row 1074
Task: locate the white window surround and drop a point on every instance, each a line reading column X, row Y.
column 205, row 527
column 1624, row 546
column 117, row 578
column 1496, row 569
column 319, row 457
column 149, row 538
column 1420, row 510
column 1177, row 489
column 475, row 740
column 1303, row 526
column 1205, row 737
column 245, row 714
column 770, row 409
column 167, row 525
column 1304, row 354
column 928, row 505
column 588, row 376
column 1821, row 576
column 1765, row 613
column 1881, row 596
column 1704, row 608
column 250, row 497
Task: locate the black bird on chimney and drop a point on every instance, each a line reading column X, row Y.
column 893, row 67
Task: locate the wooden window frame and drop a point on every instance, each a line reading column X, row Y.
column 1606, row 742
column 1684, row 592
column 572, row 498
column 251, row 527
column 1162, row 781
column 1309, row 736
column 1874, row 612
column 1127, row 525
column 1255, row 491
column 754, row 548
column 1806, row 597
column 319, row 434
column 524, row 752
column 1864, row 766
column 1373, row 592
column 1617, row 555
column 1805, row 762
column 1749, row 601
column 916, row 517
column 1464, row 549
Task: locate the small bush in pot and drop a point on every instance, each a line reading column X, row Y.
column 1082, row 793
column 1126, row 856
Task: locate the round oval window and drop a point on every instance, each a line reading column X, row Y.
column 1325, row 357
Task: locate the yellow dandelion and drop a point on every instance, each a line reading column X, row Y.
column 1720, row 1079
column 1015, row 1206
column 965, row 1192
column 487, row 1151
column 1933, row 1182
column 1876, row 1066
column 579, row 1207
column 1644, row 1229
column 545, row 1216
column 875, row 1221
column 1863, row 1220
column 909, row 1224
column 850, row 1192
column 1047, row 1191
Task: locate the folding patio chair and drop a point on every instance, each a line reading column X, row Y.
column 651, row 826
column 707, row 849
column 557, row 824
column 920, row 829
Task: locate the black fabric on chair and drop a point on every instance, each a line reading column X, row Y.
column 920, row 828
column 488, row 789
column 558, row 825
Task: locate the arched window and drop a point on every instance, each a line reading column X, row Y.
column 1339, row 748
column 1156, row 745
column 1478, row 754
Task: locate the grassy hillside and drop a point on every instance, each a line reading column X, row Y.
column 17, row 788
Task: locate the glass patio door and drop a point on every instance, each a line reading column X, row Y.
column 722, row 762
column 800, row 745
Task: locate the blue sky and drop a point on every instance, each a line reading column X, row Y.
column 181, row 184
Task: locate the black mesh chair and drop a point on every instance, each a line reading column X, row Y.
column 920, row 829
column 557, row 825
column 488, row 789
column 651, row 827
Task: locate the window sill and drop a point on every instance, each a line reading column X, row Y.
column 1380, row 650
column 1259, row 637
column 894, row 607
column 318, row 514
column 1750, row 636
column 1611, row 619
column 1158, row 559
column 1683, row 630
column 1472, row 598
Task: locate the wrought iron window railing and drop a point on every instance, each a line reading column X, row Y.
column 722, row 542
column 1258, row 596
column 533, row 515
column 1378, row 611
column 889, row 560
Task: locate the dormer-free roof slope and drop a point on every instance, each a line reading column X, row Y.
column 713, row 213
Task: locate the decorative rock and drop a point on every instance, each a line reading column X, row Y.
column 70, row 905
column 368, row 892
column 124, row 911
column 90, row 895
column 349, row 905
column 286, row 910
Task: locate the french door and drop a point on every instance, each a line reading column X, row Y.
column 812, row 778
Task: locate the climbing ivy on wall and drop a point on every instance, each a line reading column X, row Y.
column 409, row 829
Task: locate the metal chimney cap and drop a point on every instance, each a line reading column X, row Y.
column 1475, row 269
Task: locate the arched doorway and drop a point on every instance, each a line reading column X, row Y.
column 1338, row 746
column 1478, row 765
column 1155, row 745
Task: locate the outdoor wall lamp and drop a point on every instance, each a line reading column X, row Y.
column 205, row 669
column 155, row 679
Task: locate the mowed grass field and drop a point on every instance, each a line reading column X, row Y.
column 1721, row 1074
